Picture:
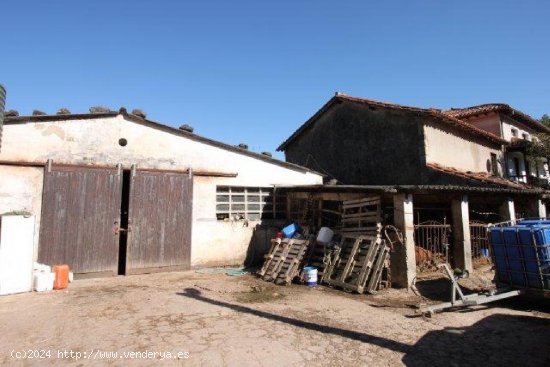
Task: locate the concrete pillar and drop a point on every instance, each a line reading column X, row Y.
column 536, row 209
column 403, row 259
column 462, row 246
column 541, row 208
column 508, row 210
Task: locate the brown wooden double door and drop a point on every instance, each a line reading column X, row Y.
column 103, row 221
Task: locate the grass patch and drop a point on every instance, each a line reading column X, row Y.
column 260, row 294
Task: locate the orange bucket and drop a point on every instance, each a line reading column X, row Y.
column 61, row 276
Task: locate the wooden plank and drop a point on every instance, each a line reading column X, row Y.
column 360, row 229
column 349, row 262
column 275, row 243
column 360, row 205
column 374, row 281
column 368, row 199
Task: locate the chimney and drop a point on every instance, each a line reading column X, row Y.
column 243, row 146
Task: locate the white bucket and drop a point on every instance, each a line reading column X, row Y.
column 325, row 235
column 310, row 276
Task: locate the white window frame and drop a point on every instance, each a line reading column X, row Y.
column 258, row 193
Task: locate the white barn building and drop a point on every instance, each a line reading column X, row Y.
column 115, row 193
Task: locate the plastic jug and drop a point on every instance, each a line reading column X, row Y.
column 61, row 276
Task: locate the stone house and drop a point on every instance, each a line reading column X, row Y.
column 435, row 168
column 517, row 128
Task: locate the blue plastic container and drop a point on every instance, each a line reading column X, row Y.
column 290, row 230
column 522, row 253
column 534, row 222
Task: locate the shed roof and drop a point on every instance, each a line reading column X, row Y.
column 432, row 113
column 480, row 177
column 464, row 113
column 392, row 189
column 12, row 120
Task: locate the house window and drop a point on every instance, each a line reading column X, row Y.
column 252, row 203
column 515, row 133
column 494, row 164
column 525, row 136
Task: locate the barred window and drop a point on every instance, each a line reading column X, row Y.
column 252, row 203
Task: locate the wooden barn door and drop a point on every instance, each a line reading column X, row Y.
column 80, row 211
column 159, row 225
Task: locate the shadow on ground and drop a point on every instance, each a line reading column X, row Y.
column 350, row 334
column 438, row 289
column 496, row 340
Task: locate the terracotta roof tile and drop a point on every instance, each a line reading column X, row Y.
column 482, row 177
column 464, row 113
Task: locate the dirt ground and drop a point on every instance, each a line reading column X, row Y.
column 220, row 320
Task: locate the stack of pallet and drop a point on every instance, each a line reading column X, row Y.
column 284, row 260
column 358, row 264
column 362, row 216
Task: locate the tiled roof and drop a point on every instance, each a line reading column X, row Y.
column 433, row 113
column 464, row 113
column 480, row 177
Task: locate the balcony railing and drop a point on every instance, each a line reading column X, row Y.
column 538, row 181
column 532, row 180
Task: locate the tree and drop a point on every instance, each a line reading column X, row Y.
column 540, row 145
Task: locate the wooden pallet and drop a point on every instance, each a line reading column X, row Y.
column 358, row 264
column 362, row 216
column 270, row 260
column 352, row 262
column 284, row 260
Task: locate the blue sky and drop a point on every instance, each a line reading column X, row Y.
column 253, row 71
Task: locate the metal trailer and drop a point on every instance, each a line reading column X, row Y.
column 459, row 299
column 504, row 289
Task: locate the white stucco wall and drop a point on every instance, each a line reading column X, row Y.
column 450, row 150
column 509, row 124
column 95, row 142
column 21, row 191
